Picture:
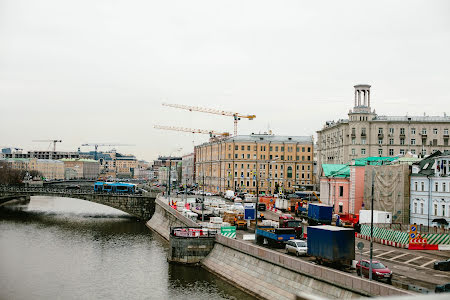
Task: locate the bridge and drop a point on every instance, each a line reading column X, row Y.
column 140, row 206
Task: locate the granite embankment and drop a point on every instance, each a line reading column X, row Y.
column 268, row 274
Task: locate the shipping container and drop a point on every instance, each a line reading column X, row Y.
column 331, row 244
column 378, row 217
column 319, row 214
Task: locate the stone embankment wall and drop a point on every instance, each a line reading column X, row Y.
column 7, row 200
column 166, row 217
column 189, row 250
column 272, row 275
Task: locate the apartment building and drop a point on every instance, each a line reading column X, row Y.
column 364, row 133
column 187, row 169
column 238, row 163
column 81, row 168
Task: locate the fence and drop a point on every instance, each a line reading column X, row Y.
column 192, row 232
column 420, row 228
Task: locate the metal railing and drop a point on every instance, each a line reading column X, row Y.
column 56, row 190
column 193, row 232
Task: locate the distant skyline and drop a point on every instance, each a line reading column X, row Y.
column 98, row 71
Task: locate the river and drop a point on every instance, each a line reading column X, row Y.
column 60, row 248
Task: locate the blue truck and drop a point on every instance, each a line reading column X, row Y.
column 319, row 214
column 272, row 236
column 331, row 245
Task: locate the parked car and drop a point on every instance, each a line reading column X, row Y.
column 379, row 271
column 443, row 265
column 445, row 288
column 298, row 247
column 261, row 206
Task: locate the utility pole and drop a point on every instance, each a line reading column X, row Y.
column 170, row 166
column 257, row 196
column 371, row 224
column 203, row 193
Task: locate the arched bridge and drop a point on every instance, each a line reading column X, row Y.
column 140, row 206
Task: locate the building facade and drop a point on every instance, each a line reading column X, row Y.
column 364, row 133
column 430, row 190
column 81, row 168
column 49, row 168
column 187, row 169
column 238, row 163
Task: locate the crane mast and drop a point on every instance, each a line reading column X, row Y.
column 236, row 116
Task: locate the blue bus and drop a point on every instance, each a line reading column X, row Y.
column 114, row 187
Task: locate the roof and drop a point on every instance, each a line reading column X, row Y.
column 444, row 119
column 373, row 160
column 335, row 170
column 271, row 138
column 426, row 164
column 79, row 159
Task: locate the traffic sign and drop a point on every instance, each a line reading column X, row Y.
column 228, row 231
column 249, row 211
column 360, row 245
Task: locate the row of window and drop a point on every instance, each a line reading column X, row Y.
column 261, row 175
column 443, row 212
column 263, row 167
column 281, row 157
column 437, row 187
column 261, row 184
column 277, row 148
column 402, row 131
column 391, row 151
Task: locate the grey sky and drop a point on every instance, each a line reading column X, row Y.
column 97, row 71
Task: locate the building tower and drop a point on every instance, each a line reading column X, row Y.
column 361, row 111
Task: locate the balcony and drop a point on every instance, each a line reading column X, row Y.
column 363, row 134
column 381, row 135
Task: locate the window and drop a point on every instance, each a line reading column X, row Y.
column 363, row 131
column 248, row 148
column 309, row 168
column 413, row 151
column 341, row 209
column 303, row 149
column 309, row 149
column 353, row 141
column 402, row 151
column 380, row 152
column 363, row 141
column 421, row 208
column 391, row 130
column 242, row 147
column 270, row 148
column 235, row 156
column 443, row 210
column 415, row 186
column 276, row 148
column 402, row 141
column 391, row 141
column 309, row 158
column 236, row 147
column 303, row 168
column 341, row 191
column 282, row 157
column 353, row 131
column 445, row 131
column 380, row 142
column 402, row 131
column 444, row 188
column 282, row 148
column 424, row 152
column 422, row 185
column 303, row 157
column 353, row 151
column 363, row 151
column 413, row 141
column 415, row 207
column 435, row 210
column 436, row 187
column 435, row 131
column 248, row 156
column 413, row 131
column 424, row 131
column 391, row 152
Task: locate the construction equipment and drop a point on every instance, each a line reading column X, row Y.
column 211, row 133
column 50, row 141
column 236, row 116
column 101, row 145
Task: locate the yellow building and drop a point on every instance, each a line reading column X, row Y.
column 237, row 163
column 50, row 169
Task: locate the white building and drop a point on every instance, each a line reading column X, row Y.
column 434, row 172
column 187, row 169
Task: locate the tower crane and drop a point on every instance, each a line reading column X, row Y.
column 211, row 133
column 236, row 116
column 96, row 145
column 50, row 141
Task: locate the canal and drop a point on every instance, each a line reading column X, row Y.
column 60, row 248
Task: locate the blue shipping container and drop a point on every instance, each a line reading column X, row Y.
column 320, row 213
column 331, row 243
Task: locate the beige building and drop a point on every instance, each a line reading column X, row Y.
column 366, row 134
column 237, row 163
column 187, row 169
column 50, row 169
column 81, row 168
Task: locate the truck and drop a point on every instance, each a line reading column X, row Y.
column 378, row 216
column 331, row 245
column 319, row 214
column 288, row 221
column 229, row 195
column 301, row 209
column 275, row 237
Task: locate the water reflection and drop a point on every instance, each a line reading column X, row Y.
column 73, row 249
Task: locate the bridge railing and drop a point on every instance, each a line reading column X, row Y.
column 56, row 190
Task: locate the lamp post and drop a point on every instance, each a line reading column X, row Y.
column 371, row 223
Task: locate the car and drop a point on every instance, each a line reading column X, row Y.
column 445, row 288
column 379, row 271
column 443, row 265
column 298, row 247
column 261, row 206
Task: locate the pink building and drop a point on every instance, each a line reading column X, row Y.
column 335, row 187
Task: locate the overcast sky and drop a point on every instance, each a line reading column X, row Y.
column 98, row 71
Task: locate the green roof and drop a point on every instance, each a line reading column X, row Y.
column 336, row 170
column 373, row 160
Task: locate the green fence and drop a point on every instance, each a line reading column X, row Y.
column 402, row 237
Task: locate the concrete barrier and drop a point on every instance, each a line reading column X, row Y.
column 269, row 274
column 166, row 217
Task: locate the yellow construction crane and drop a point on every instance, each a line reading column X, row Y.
column 211, row 133
column 50, row 141
column 236, row 116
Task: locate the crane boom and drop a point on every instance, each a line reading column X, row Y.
column 192, row 130
column 50, row 141
column 236, row 116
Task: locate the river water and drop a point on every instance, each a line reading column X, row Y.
column 60, row 248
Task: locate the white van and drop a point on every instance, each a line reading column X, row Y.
column 229, row 195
